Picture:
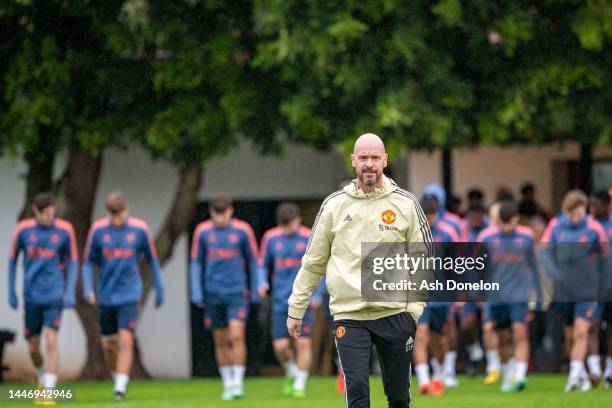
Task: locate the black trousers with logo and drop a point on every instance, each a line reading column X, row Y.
column 393, row 338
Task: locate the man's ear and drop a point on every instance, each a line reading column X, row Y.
column 353, row 160
column 386, row 160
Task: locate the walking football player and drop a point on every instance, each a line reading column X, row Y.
column 49, row 248
column 281, row 255
column 222, row 250
column 115, row 246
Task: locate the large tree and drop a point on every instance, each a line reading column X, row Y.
column 81, row 77
column 441, row 74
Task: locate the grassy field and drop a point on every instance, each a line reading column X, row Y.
column 543, row 391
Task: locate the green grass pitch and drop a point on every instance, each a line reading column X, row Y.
column 543, row 391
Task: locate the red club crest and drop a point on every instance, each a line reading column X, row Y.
column 54, row 238
column 32, row 237
column 130, row 237
column 106, row 238
column 300, row 246
column 278, row 246
column 233, row 238
column 212, row 238
column 388, row 217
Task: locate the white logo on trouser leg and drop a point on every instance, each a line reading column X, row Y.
column 409, row 344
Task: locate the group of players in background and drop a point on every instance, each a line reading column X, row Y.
column 228, row 271
column 534, row 260
column 115, row 246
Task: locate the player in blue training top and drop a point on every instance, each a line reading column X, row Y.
column 511, row 258
column 436, row 192
column 49, row 249
column 115, row 246
column 282, row 249
column 475, row 221
column 600, row 210
column 222, row 250
column 432, row 329
column 574, row 249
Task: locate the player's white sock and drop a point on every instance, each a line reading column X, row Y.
column 238, row 374
column 40, row 375
column 49, row 380
column 301, row 376
column 576, row 369
column 608, row 372
column 594, row 364
column 507, row 369
column 493, row 361
column 290, row 368
column 438, row 372
column 422, row 372
column 121, row 382
column 226, row 377
column 520, row 370
column 449, row 363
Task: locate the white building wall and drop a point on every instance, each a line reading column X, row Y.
column 148, row 187
column 164, row 334
column 489, row 167
column 300, row 173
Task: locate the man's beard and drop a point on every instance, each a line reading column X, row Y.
column 369, row 182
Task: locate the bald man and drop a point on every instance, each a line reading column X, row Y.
column 372, row 208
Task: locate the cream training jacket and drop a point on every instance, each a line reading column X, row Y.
column 347, row 218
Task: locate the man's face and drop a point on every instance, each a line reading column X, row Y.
column 119, row 218
column 221, row 218
column 44, row 216
column 475, row 219
column 598, row 208
column 369, row 164
column 431, row 218
column 293, row 226
column 577, row 214
column 509, row 227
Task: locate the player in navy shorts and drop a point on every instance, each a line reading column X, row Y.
column 49, row 250
column 222, row 250
column 574, row 247
column 282, row 249
column 432, row 328
column 115, row 246
column 510, row 250
column 601, row 212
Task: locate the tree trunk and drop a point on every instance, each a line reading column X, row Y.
column 76, row 195
column 40, row 169
column 176, row 222
column 178, row 217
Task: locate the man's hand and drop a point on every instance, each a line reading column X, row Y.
column 263, row 290
column 159, row 299
column 294, row 327
column 91, row 299
column 13, row 302
column 69, row 301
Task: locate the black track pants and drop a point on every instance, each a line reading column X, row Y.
column 393, row 338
